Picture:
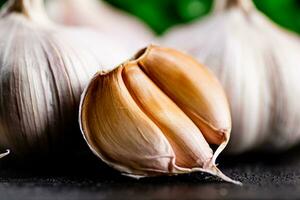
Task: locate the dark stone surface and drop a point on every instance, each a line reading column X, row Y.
column 263, row 176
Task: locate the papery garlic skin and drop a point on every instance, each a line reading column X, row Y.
column 126, row 29
column 43, row 70
column 5, row 154
column 258, row 65
column 137, row 119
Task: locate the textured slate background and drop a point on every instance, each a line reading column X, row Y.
column 84, row 177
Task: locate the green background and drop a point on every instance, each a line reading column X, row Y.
column 162, row 14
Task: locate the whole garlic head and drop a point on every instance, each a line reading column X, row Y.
column 127, row 29
column 258, row 63
column 43, row 70
column 156, row 114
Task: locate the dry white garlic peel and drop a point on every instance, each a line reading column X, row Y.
column 156, row 114
column 43, row 71
column 258, row 64
column 126, row 29
column 5, row 154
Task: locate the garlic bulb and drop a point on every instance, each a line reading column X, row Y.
column 156, row 114
column 258, row 63
column 43, row 70
column 106, row 19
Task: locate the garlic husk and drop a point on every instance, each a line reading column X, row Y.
column 5, row 154
column 143, row 121
column 258, row 64
column 43, row 70
column 128, row 30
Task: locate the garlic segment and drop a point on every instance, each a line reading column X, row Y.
column 127, row 29
column 156, row 114
column 43, row 70
column 258, row 64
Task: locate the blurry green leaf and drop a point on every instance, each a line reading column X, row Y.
column 191, row 9
column 2, row 2
column 162, row 14
column 284, row 12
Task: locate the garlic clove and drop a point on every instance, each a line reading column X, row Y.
column 256, row 63
column 119, row 132
column 126, row 114
column 189, row 145
column 196, row 91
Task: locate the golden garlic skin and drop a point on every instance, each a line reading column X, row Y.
column 43, row 70
column 140, row 119
column 258, row 66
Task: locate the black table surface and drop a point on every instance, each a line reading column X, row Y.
column 265, row 176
